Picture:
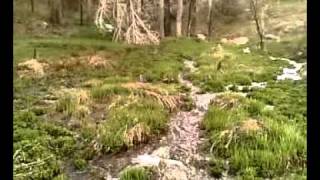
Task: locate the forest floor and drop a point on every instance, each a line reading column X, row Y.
column 87, row 108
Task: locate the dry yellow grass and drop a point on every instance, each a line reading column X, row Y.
column 169, row 101
column 137, row 134
column 31, row 68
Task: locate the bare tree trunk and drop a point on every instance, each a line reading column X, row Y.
column 89, row 10
column 209, row 9
column 167, row 18
column 32, row 5
column 55, row 11
column 194, row 21
column 161, row 18
column 179, row 18
column 139, row 6
column 210, row 23
column 81, row 12
column 191, row 16
column 255, row 12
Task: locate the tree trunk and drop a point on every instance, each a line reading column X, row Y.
column 55, row 12
column 194, row 21
column 209, row 9
column 179, row 18
column 89, row 10
column 258, row 21
column 81, row 13
column 161, row 18
column 139, row 6
column 32, row 5
column 210, row 23
column 191, row 16
column 167, row 18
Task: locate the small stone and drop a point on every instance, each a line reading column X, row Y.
column 246, row 50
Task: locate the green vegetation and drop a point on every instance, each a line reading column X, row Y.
column 135, row 173
column 110, row 110
column 39, row 147
column 132, row 121
column 258, row 142
column 134, row 116
column 235, row 68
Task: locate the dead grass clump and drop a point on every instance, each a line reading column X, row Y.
column 250, row 125
column 146, row 86
column 81, row 96
column 98, row 62
column 74, row 102
column 169, row 101
column 217, row 52
column 67, row 64
column 117, row 101
column 227, row 101
column 92, row 83
column 82, row 111
column 229, row 135
column 31, row 68
column 137, row 134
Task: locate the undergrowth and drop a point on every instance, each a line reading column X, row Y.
column 257, row 142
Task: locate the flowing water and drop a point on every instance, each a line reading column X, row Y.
column 176, row 156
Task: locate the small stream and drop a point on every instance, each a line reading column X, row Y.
column 177, row 155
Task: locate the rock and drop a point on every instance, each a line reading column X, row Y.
column 146, row 160
column 268, row 108
column 246, row 50
column 289, row 71
column 237, row 41
column 108, row 27
column 174, row 170
column 299, row 23
column 272, row 37
column 224, row 40
column 272, row 58
column 201, row 37
column 163, row 152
